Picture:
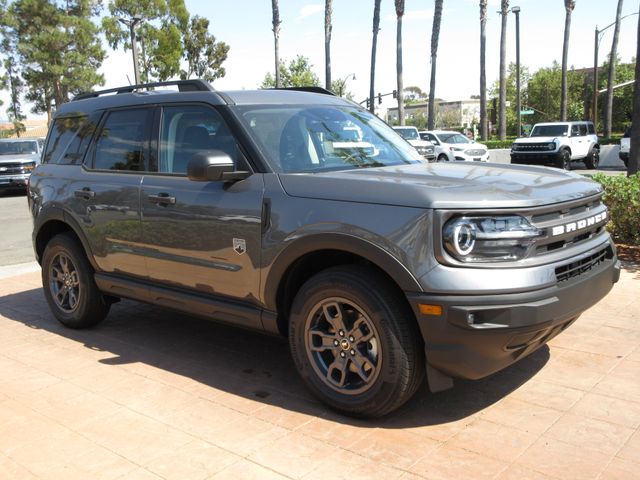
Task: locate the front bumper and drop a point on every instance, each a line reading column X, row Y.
column 11, row 182
column 535, row 158
column 477, row 335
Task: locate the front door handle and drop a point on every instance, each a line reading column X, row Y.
column 162, row 199
column 85, row 193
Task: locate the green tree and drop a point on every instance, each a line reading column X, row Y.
column 160, row 25
column 622, row 98
column 203, row 54
column 58, row 48
column 12, row 82
column 633, row 166
column 510, row 86
column 413, row 94
column 297, row 74
column 543, row 94
column 608, row 120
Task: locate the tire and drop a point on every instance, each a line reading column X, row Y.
column 593, row 159
column 69, row 287
column 564, row 161
column 442, row 158
column 355, row 341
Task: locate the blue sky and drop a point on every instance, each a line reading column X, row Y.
column 246, row 26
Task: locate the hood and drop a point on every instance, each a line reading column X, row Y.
column 461, row 185
column 20, row 157
column 535, row 139
column 417, row 142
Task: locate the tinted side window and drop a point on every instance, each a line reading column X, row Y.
column 123, row 141
column 591, row 129
column 583, row 129
column 69, row 138
column 575, row 131
column 187, row 130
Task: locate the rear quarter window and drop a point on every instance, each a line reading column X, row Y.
column 69, row 138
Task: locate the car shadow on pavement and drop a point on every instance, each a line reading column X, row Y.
column 247, row 364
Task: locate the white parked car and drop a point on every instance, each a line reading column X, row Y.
column 458, row 145
column 424, row 147
column 443, row 154
column 559, row 144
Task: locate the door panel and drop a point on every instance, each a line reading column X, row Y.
column 202, row 236
column 208, row 239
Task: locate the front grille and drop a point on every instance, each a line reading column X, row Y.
column 10, row 168
column 531, row 147
column 475, row 152
column 569, row 225
column 579, row 267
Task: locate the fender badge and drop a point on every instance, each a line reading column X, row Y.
column 239, row 245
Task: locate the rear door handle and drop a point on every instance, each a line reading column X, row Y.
column 162, row 199
column 85, row 193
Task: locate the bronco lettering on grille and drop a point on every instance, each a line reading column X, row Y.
column 579, row 225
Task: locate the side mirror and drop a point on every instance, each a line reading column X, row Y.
column 213, row 166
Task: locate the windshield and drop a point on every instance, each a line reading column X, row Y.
column 453, row 138
column 408, row 133
column 549, row 130
column 320, row 138
column 16, row 148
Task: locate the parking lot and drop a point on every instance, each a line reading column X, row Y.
column 153, row 394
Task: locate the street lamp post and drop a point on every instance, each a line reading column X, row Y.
column 133, row 23
column 516, row 10
column 343, row 84
column 596, row 46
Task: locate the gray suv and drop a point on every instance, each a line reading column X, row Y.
column 251, row 208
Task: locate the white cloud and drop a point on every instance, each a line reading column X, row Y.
column 310, row 9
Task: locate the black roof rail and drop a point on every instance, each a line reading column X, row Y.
column 311, row 89
column 194, row 85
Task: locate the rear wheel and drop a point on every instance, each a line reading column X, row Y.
column 355, row 342
column 564, row 160
column 69, row 287
column 593, row 159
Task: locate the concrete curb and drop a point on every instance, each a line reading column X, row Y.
column 9, row 271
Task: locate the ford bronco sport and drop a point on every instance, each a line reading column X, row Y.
column 558, row 144
column 380, row 268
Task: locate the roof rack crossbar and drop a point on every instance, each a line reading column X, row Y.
column 309, row 88
column 193, row 85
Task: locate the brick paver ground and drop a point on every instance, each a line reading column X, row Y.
column 152, row 394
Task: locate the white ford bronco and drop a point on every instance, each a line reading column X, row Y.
column 558, row 144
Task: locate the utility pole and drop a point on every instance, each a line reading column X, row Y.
column 516, row 10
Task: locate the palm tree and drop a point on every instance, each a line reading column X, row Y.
column 483, row 73
column 399, row 14
column 276, row 38
column 502, row 94
column 612, row 73
column 569, row 5
column 327, row 43
column 435, row 35
column 634, row 154
column 376, row 29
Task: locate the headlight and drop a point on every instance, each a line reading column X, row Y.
column 551, row 146
column 28, row 167
column 489, row 239
column 514, row 147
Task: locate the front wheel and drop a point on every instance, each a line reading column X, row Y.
column 355, row 341
column 564, row 161
column 443, row 158
column 593, row 159
column 69, row 287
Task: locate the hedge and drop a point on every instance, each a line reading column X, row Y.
column 622, row 197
